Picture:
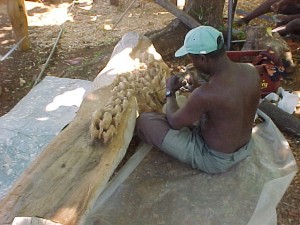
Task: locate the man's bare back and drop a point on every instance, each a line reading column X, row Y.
column 227, row 125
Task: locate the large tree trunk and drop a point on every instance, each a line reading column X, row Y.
column 207, row 12
column 170, row 38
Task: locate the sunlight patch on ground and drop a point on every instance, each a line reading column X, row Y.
column 5, row 42
column 6, row 28
column 85, row 4
column 69, row 98
column 49, row 15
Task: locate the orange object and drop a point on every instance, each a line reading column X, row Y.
column 268, row 65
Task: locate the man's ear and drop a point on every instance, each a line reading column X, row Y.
column 203, row 58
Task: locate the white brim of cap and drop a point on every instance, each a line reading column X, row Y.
column 181, row 52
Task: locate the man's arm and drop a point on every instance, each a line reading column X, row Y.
column 173, row 84
column 191, row 112
column 171, row 105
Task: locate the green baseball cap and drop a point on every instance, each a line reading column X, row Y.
column 200, row 40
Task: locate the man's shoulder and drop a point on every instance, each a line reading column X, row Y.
column 249, row 67
column 204, row 88
column 206, row 92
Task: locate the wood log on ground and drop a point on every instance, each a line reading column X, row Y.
column 259, row 38
column 63, row 183
column 283, row 120
column 18, row 18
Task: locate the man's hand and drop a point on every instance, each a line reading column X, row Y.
column 174, row 83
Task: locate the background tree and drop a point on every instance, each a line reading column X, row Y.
column 206, row 12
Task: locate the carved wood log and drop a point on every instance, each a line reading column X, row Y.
column 62, row 184
column 18, row 18
column 284, row 121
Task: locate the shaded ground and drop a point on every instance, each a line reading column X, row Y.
column 85, row 48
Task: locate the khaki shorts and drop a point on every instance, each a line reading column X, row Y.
column 188, row 146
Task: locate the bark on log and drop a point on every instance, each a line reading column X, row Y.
column 169, row 39
column 283, row 120
column 63, row 183
column 18, row 18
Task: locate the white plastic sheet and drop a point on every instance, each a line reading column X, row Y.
column 162, row 190
column 34, row 122
column 285, row 100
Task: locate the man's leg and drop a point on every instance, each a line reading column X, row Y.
column 152, row 128
column 185, row 144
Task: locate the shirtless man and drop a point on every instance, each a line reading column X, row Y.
column 212, row 131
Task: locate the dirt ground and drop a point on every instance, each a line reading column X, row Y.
column 85, row 47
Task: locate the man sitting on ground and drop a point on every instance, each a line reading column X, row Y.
column 212, row 131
